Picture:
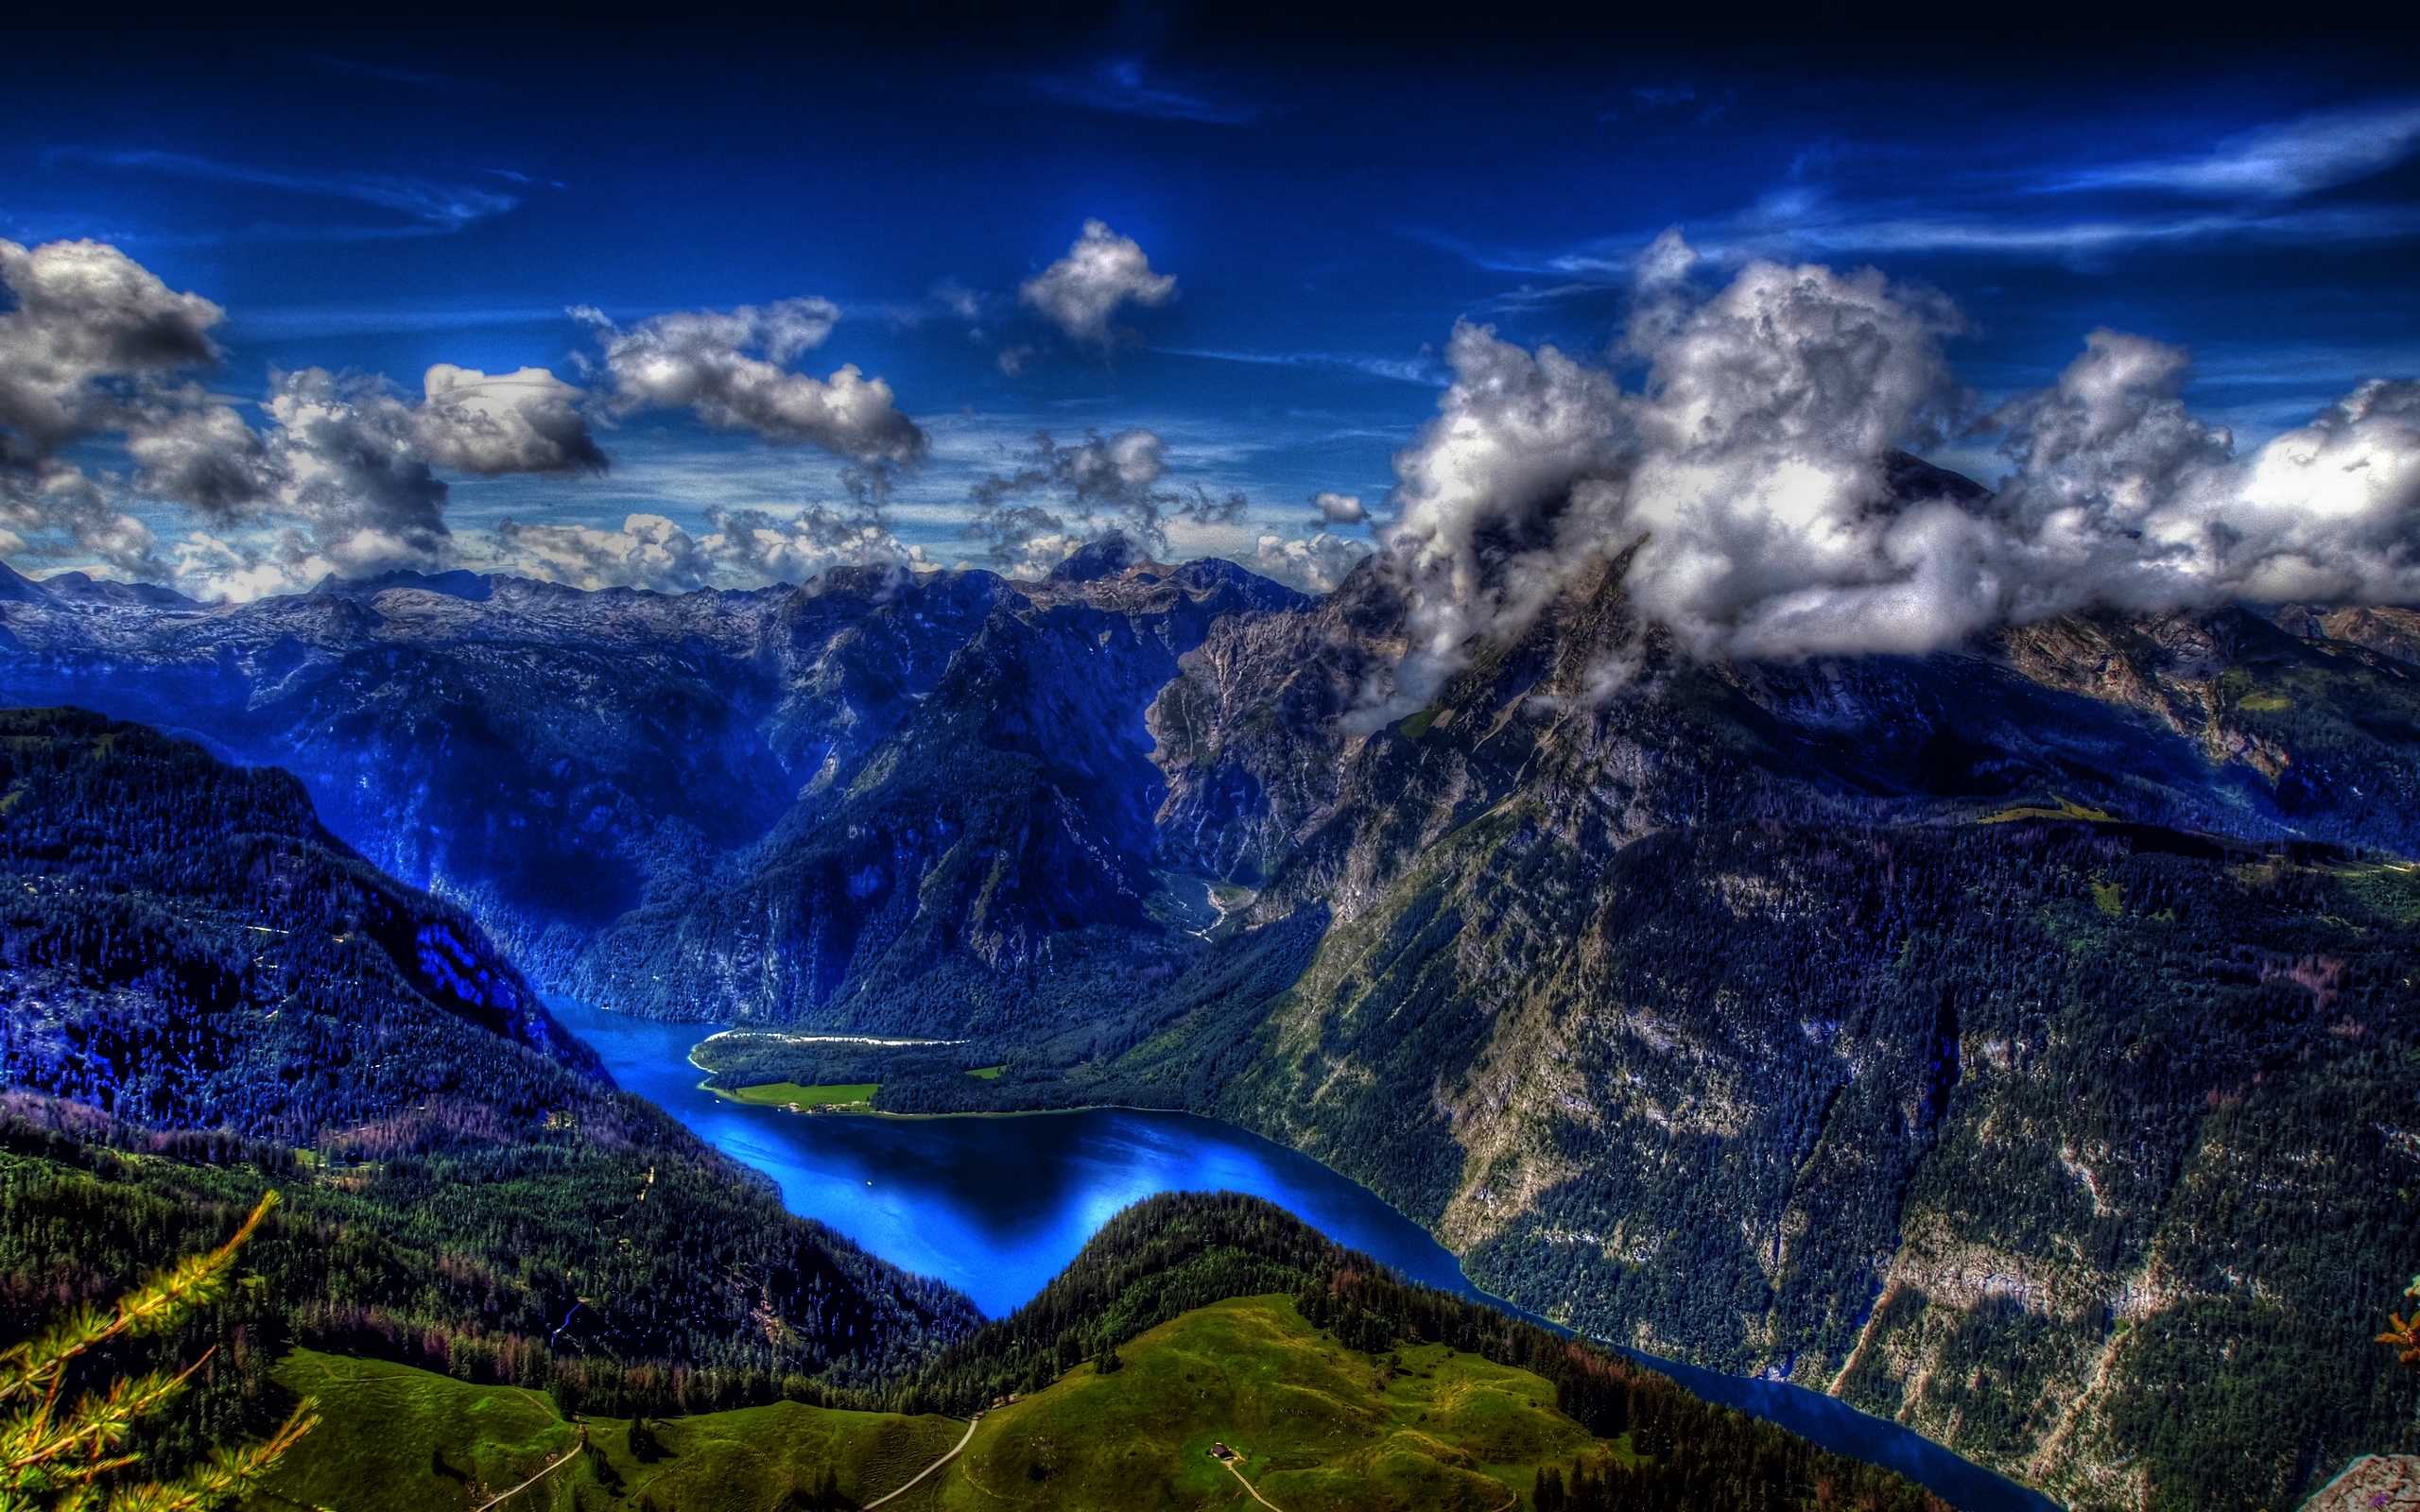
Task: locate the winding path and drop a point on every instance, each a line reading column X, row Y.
column 1239, row 1475
column 929, row 1469
column 569, row 1455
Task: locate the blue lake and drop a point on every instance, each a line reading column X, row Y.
column 997, row 1205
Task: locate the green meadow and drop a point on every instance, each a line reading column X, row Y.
column 783, row 1093
column 1320, row 1428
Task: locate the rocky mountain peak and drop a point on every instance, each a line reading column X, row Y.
column 1112, row 556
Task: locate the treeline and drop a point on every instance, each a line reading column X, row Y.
column 1161, row 1257
column 1687, row 1453
column 1175, row 1252
column 627, row 1275
column 1139, row 997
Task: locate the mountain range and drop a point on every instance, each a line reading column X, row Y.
column 2011, row 1041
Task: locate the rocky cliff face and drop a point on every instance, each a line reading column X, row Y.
column 542, row 755
column 556, row 759
column 986, row 866
column 2005, row 1041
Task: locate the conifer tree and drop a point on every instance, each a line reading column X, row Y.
column 61, row 1457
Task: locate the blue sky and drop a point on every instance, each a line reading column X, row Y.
column 377, row 203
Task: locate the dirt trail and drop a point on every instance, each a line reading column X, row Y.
column 1247, row 1485
column 929, row 1469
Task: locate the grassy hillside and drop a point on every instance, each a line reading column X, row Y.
column 203, row 995
column 1316, row 1426
column 1166, row 1334
column 398, row 1439
column 1319, row 1427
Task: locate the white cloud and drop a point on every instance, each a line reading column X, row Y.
column 1122, row 85
column 1315, row 565
column 2281, row 161
column 428, row 207
column 743, row 548
column 86, row 312
column 523, row 422
column 92, row 345
column 700, row 361
column 340, row 479
column 351, row 470
column 1339, row 509
column 1102, row 270
column 1061, row 497
column 1750, row 483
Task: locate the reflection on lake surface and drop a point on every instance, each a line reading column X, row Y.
column 997, row 1205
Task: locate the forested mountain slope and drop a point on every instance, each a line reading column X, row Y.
column 987, row 867
column 555, row 759
column 205, row 995
column 2013, row 1041
column 181, row 944
column 1907, row 1027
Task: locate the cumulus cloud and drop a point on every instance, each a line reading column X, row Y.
column 339, row 479
column 1339, row 509
column 1061, row 497
column 92, row 344
column 353, row 470
column 2121, row 496
column 1315, row 565
column 195, row 450
column 1753, row 485
column 729, row 369
column 742, row 548
column 343, row 475
column 1102, row 270
column 523, row 422
column 86, row 313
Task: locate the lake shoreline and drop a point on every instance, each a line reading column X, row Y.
column 1005, row 1207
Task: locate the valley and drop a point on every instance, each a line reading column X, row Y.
column 2006, row 1042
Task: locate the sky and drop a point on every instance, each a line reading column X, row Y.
column 1221, row 267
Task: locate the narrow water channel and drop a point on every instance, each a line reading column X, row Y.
column 996, row 1204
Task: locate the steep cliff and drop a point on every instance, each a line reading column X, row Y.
column 984, row 869
column 2010, row 1042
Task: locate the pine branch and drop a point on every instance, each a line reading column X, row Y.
column 163, row 1298
column 33, row 1445
column 228, row 1475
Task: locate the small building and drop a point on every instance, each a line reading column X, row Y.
column 1220, row 1452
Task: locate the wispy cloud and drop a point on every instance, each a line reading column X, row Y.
column 354, row 321
column 2253, row 186
column 1654, row 99
column 1424, row 371
column 1842, row 230
column 2281, row 161
column 1124, row 87
column 428, row 206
